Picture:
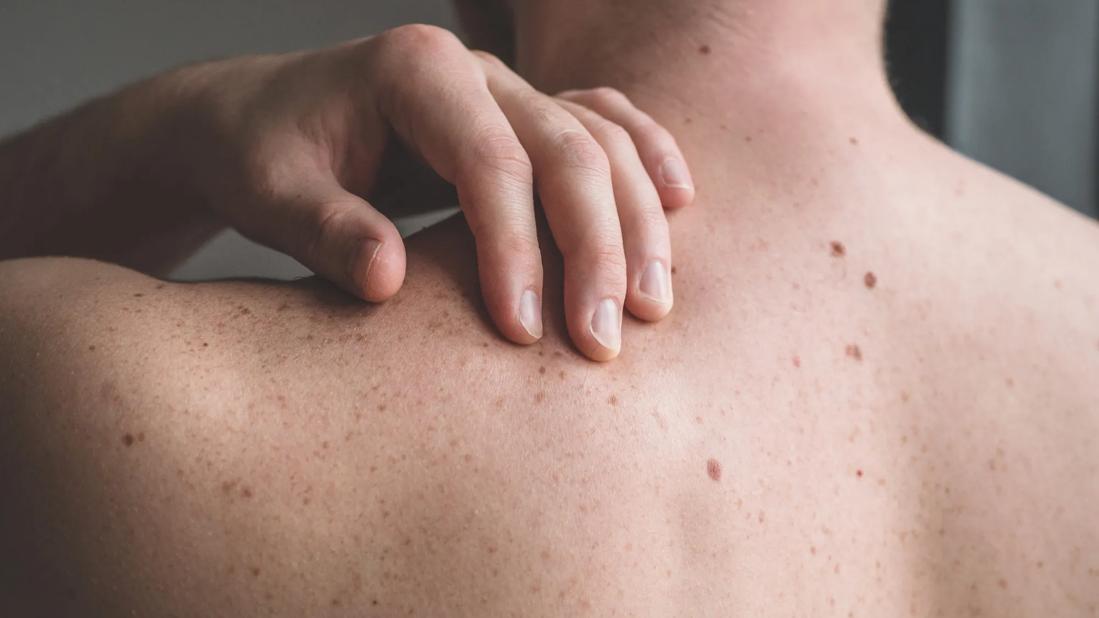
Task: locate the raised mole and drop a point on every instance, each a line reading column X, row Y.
column 713, row 469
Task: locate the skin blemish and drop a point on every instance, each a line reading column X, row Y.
column 141, row 436
column 797, row 362
column 613, row 400
column 138, row 295
column 674, row 270
column 704, row 50
column 838, row 250
column 871, row 280
column 713, row 470
column 91, row 348
column 255, row 571
column 854, row 141
column 858, row 473
column 854, row 352
column 542, row 370
column 540, row 397
column 160, row 286
column 246, row 492
column 128, row 439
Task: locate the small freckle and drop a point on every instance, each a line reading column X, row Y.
column 713, row 469
column 246, row 492
column 91, row 347
column 141, row 436
column 748, row 139
column 1002, row 583
column 688, row 120
column 128, row 440
column 858, row 473
column 542, row 370
column 854, row 141
column 255, row 571
column 704, row 50
column 540, row 397
column 838, row 250
column 813, row 550
column 870, row 279
column 138, row 295
column 1009, row 382
column 613, row 400
column 561, row 374
column 674, row 270
column 854, row 352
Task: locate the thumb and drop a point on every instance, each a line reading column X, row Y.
column 342, row 238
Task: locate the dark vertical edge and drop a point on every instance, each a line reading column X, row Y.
column 916, row 54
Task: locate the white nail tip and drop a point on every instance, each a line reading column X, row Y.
column 654, row 283
column 606, row 325
column 530, row 314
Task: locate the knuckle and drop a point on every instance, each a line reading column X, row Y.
column 418, row 39
column 581, row 151
column 499, row 153
column 488, row 58
column 613, row 134
column 606, row 96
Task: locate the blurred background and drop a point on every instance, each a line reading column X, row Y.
column 1012, row 83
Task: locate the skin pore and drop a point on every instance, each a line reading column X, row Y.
column 875, row 395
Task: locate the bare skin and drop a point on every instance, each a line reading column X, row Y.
column 876, row 396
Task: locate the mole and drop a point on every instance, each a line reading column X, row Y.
column 674, row 271
column 838, row 250
column 128, row 440
column 870, row 279
column 92, row 348
column 854, row 141
column 713, row 470
column 138, row 295
column 542, row 370
column 854, row 352
column 858, row 473
column 613, row 400
column 704, row 50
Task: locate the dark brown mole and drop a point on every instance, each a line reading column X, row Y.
column 542, row 370
column 870, row 279
column 838, row 250
column 138, row 295
column 674, row 271
column 128, row 439
column 91, row 347
column 713, row 469
column 704, row 50
column 854, row 352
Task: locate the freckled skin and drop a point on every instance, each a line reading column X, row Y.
column 459, row 443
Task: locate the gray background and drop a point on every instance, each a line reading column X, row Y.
column 1021, row 90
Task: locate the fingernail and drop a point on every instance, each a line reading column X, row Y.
column 606, row 325
column 654, row 283
column 530, row 314
column 674, row 173
column 368, row 252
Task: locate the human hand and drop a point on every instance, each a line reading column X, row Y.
column 299, row 139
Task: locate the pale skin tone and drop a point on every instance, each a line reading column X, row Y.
column 290, row 148
column 876, row 396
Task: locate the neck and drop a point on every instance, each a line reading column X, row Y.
column 685, row 57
